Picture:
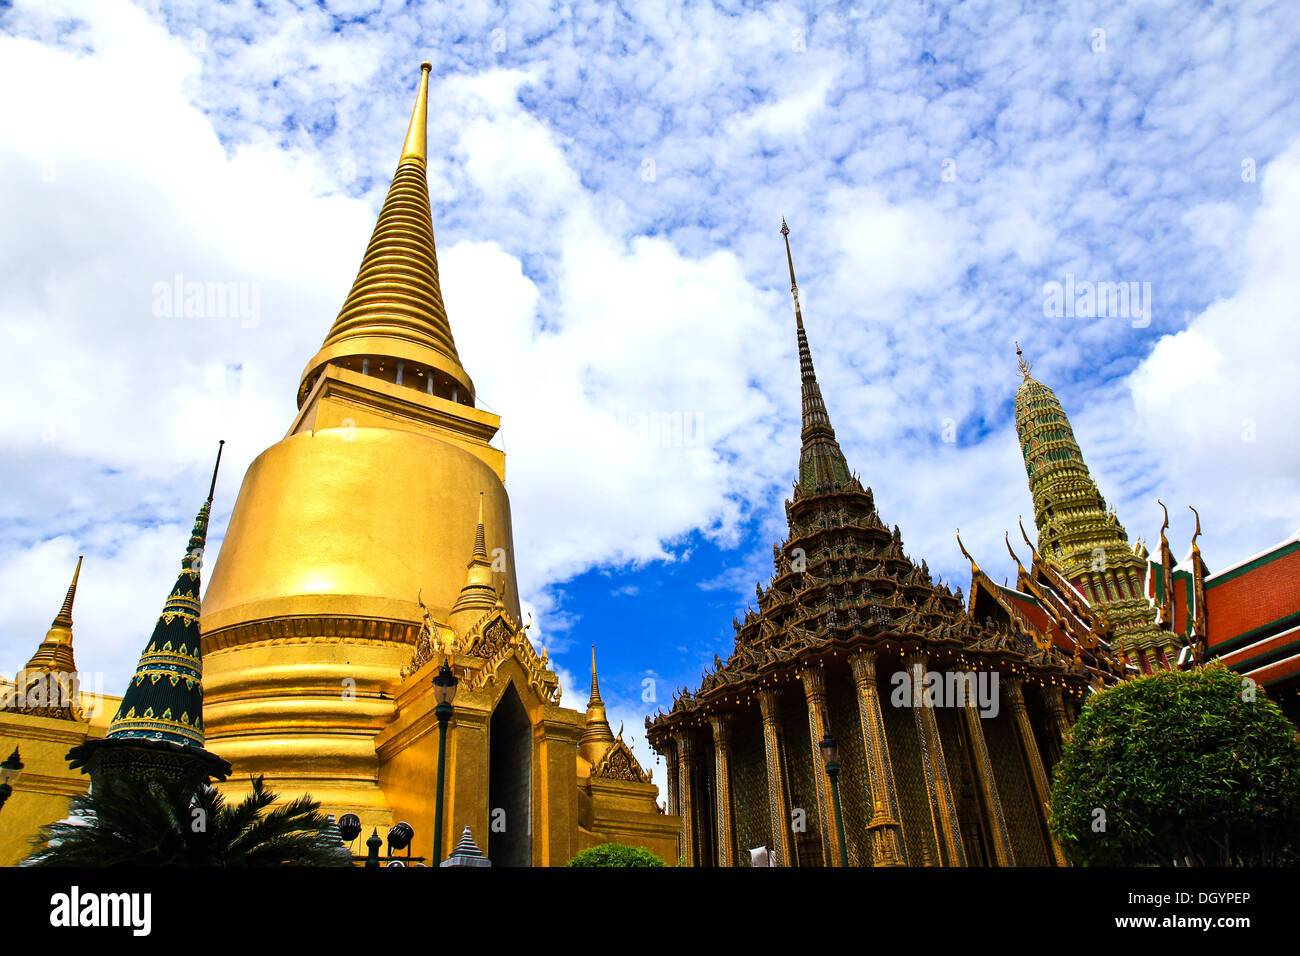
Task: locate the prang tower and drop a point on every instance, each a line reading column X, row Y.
column 1079, row 534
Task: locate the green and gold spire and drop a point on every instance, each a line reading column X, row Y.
column 158, row 727
column 394, row 315
column 164, row 700
column 821, row 462
column 1074, row 525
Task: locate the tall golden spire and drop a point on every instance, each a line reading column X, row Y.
column 821, row 462
column 394, row 317
column 597, row 738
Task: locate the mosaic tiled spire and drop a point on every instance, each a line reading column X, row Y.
column 821, row 462
column 165, row 698
column 1077, row 533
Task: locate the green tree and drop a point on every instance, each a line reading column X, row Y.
column 1192, row 767
column 131, row 822
column 615, row 854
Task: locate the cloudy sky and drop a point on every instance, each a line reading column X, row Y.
column 608, row 183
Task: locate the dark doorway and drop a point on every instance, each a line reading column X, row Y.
column 510, row 774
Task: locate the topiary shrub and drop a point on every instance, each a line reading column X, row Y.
column 615, row 854
column 1191, row 767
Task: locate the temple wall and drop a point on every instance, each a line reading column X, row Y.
column 749, row 784
column 1015, row 790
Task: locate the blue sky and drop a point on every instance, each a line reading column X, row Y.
column 607, row 184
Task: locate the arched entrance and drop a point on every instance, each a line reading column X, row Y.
column 510, row 774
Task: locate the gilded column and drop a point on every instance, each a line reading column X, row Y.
column 1057, row 723
column 943, row 809
column 780, row 811
column 1033, row 760
column 685, row 801
column 721, row 724
column 1002, row 853
column 814, row 692
column 886, row 828
column 671, row 778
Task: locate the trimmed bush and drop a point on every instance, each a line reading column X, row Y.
column 1191, row 767
column 615, row 854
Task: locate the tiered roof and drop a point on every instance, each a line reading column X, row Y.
column 842, row 576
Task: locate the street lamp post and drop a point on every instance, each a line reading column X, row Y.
column 831, row 754
column 10, row 771
column 444, row 692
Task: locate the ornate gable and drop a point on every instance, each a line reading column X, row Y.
column 498, row 637
column 619, row 763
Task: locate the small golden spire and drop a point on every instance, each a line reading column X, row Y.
column 480, row 538
column 64, row 618
column 596, row 736
column 479, row 594
column 595, row 684
column 417, row 137
column 1025, row 367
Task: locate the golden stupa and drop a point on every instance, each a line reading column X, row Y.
column 366, row 547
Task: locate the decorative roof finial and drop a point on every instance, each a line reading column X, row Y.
column 973, row 566
column 1025, row 367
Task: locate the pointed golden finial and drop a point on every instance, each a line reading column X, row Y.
column 417, row 136
column 1195, row 547
column 1025, row 367
column 595, row 684
column 480, row 537
column 64, row 618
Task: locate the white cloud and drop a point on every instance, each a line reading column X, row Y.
column 1216, row 401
